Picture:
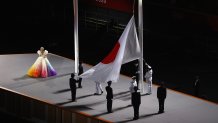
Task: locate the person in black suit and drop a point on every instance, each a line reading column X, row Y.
column 80, row 72
column 161, row 95
column 72, row 83
column 109, row 97
column 136, row 101
column 196, row 86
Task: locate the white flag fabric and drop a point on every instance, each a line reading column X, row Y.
column 126, row 49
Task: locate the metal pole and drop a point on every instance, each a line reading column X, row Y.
column 140, row 29
column 76, row 38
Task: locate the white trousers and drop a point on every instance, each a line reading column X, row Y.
column 149, row 85
column 98, row 88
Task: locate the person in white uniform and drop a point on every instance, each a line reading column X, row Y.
column 99, row 89
column 148, row 78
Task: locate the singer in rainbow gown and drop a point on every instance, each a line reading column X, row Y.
column 41, row 67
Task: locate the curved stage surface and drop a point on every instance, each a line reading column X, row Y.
column 179, row 108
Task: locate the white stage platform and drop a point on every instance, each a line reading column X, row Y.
column 179, row 108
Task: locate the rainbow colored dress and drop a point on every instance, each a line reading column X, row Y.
column 41, row 67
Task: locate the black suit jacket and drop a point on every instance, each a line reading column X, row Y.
column 109, row 92
column 161, row 92
column 72, row 83
column 136, row 98
column 80, row 69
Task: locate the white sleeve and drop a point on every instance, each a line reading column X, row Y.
column 39, row 52
column 135, row 83
column 45, row 52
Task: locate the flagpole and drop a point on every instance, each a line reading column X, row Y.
column 76, row 42
column 140, row 29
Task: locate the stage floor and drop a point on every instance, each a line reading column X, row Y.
column 179, row 108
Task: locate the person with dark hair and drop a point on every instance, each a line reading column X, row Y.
column 136, row 101
column 109, row 97
column 133, row 84
column 41, row 67
column 80, row 72
column 196, row 86
column 161, row 95
column 137, row 72
column 72, row 83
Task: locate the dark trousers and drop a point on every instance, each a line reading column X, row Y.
column 73, row 95
column 161, row 105
column 137, row 80
column 109, row 105
column 79, row 82
column 197, row 92
column 136, row 111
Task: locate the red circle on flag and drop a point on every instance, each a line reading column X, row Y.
column 112, row 55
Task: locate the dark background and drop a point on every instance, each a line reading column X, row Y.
column 180, row 37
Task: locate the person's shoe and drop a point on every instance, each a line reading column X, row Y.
column 148, row 94
column 73, row 100
column 79, row 86
column 159, row 112
column 95, row 94
column 135, row 118
column 102, row 92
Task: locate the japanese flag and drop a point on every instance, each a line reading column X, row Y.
column 125, row 50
